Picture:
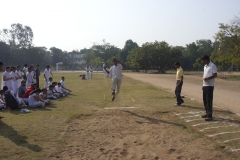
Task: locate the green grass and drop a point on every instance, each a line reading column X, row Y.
column 33, row 135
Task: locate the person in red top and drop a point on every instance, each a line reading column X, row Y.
column 29, row 90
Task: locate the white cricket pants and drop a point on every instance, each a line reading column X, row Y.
column 116, row 85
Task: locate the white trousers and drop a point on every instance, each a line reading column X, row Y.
column 87, row 75
column 65, row 91
column 91, row 73
column 45, row 84
column 2, row 106
column 51, row 97
column 15, row 87
column 116, row 85
column 37, row 104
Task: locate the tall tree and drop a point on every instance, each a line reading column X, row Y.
column 129, row 45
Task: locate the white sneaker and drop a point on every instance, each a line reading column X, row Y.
column 25, row 110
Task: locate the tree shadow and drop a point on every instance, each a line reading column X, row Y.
column 153, row 120
column 11, row 134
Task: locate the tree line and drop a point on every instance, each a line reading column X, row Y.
column 16, row 48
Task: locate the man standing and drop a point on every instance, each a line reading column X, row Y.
column 47, row 74
column 179, row 83
column 116, row 77
column 1, row 65
column 37, row 72
column 25, row 70
column 210, row 73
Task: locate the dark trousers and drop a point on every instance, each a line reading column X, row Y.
column 178, row 92
column 208, row 99
column 37, row 81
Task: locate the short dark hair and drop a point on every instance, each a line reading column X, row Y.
column 1, row 63
column 177, row 64
column 25, row 65
column 7, row 67
column 114, row 59
column 63, row 77
column 205, row 57
column 5, row 88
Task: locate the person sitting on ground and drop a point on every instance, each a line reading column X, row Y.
column 64, row 89
column 43, row 96
column 83, row 76
column 19, row 100
column 50, row 94
column 34, row 99
column 58, row 88
column 50, row 81
column 1, row 95
column 29, row 90
column 55, row 92
column 2, row 105
column 22, row 89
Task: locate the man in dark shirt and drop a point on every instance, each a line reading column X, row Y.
column 22, row 89
column 37, row 71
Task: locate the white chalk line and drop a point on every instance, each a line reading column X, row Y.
column 120, row 107
column 235, row 139
column 104, row 96
column 203, row 123
column 231, row 125
column 235, row 150
column 221, row 133
column 133, row 100
column 197, row 115
column 191, row 120
column 178, row 114
column 64, row 130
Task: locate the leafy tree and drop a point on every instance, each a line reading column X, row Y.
column 129, row 45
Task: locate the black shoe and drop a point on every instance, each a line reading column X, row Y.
column 182, row 101
column 204, row 116
column 1, row 117
column 209, row 119
column 113, row 97
column 177, row 104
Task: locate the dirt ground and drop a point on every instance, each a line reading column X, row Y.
column 226, row 93
column 127, row 134
column 131, row 136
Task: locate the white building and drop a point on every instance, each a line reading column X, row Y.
column 77, row 59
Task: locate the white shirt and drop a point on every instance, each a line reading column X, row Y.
column 29, row 77
column 49, row 83
column 14, row 74
column 33, row 76
column 31, row 99
column 25, row 70
column 47, row 73
column 58, row 89
column 49, row 92
column 116, row 71
column 62, row 83
column 7, row 83
column 209, row 70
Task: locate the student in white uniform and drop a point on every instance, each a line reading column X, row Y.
column 34, row 99
column 15, row 80
column 58, row 88
column 50, row 94
column 2, row 104
column 116, row 77
column 33, row 73
column 47, row 74
column 50, row 81
column 87, row 72
column 25, row 70
column 91, row 72
column 64, row 89
column 7, row 79
column 43, row 96
column 19, row 75
column 29, row 81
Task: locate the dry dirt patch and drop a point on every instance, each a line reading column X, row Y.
column 129, row 135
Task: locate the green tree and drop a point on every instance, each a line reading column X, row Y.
column 129, row 45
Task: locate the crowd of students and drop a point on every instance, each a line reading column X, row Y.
column 20, row 88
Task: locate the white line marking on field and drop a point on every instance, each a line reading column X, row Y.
column 235, row 150
column 203, row 123
column 64, row 130
column 212, row 135
column 235, row 139
column 120, row 107
column 197, row 115
column 132, row 99
column 190, row 120
column 51, row 117
column 231, row 125
column 178, row 114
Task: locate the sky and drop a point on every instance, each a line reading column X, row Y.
column 77, row 24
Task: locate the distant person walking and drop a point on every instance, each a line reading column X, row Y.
column 91, row 72
column 179, row 83
column 210, row 73
column 87, row 72
column 37, row 72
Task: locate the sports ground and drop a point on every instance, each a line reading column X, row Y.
column 141, row 123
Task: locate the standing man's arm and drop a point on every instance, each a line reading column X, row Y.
column 106, row 69
column 120, row 62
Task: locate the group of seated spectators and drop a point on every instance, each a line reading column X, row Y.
column 30, row 95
